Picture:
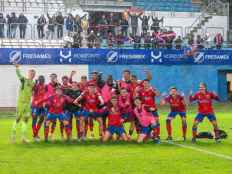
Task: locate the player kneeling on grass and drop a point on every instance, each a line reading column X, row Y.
column 115, row 122
column 147, row 122
column 24, row 103
column 91, row 100
column 38, row 110
column 178, row 107
column 204, row 99
column 55, row 106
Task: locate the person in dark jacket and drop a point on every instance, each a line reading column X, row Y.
column 156, row 23
column 60, row 25
column 178, row 43
column 125, row 25
column 2, row 25
column 13, row 25
column 145, row 23
column 22, row 20
column 134, row 22
column 51, row 26
column 41, row 22
column 69, row 23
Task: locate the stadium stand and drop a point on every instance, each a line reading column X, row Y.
column 184, row 18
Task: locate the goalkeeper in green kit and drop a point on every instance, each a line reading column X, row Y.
column 23, row 104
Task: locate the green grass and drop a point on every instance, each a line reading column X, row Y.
column 118, row 158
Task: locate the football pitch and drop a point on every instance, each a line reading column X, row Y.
column 92, row 156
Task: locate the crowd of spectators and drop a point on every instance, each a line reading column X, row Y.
column 106, row 29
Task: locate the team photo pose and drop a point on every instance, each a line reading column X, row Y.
column 204, row 98
column 147, row 122
column 91, row 99
column 115, row 122
column 177, row 107
column 23, row 104
column 38, row 110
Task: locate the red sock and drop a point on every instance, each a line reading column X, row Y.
column 158, row 130
column 61, row 129
column 169, row 128
column 46, row 132
column 91, row 124
column 78, row 129
column 86, row 126
column 216, row 131
column 184, row 129
column 34, row 130
column 53, row 127
column 155, row 132
column 68, row 131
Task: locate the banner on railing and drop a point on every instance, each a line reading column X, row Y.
column 45, row 56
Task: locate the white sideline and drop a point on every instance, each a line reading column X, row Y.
column 226, row 157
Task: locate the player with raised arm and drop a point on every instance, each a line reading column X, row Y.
column 177, row 107
column 115, row 122
column 204, row 98
column 23, row 104
column 38, row 110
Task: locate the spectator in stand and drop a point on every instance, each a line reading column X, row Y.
column 22, row 20
column 134, row 22
column 119, row 39
column 78, row 27
column 145, row 23
column 147, row 40
column 200, row 42
column 112, row 22
column 91, row 39
column 190, row 39
column 218, row 40
column 156, row 23
column 110, row 40
column 154, row 41
column 8, row 25
column 103, row 26
column 2, row 25
column 60, row 25
column 125, row 25
column 13, row 25
column 178, row 43
column 69, row 23
column 77, row 40
column 98, row 41
column 137, row 41
column 41, row 22
column 51, row 26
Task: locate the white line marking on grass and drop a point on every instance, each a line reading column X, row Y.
column 227, row 157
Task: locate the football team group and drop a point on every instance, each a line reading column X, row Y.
column 111, row 103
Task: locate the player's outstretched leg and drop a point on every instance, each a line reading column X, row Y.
column 100, row 122
column 24, row 130
column 91, row 124
column 53, row 127
column 39, row 125
column 14, row 128
column 184, row 127
column 34, row 123
column 194, row 131
column 216, row 130
column 46, row 130
column 169, row 128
